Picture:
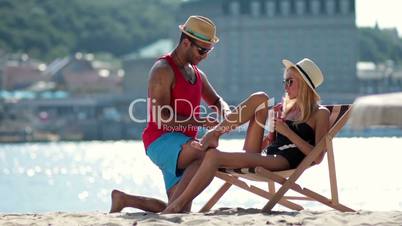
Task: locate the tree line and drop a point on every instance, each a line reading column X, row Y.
column 378, row 45
column 46, row 29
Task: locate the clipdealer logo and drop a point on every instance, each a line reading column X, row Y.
column 209, row 114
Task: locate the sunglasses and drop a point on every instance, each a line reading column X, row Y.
column 201, row 50
column 288, row 82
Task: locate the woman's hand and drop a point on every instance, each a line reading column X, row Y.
column 281, row 127
column 266, row 141
column 210, row 122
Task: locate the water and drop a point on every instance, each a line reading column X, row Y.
column 79, row 176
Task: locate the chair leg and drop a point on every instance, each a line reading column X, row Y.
column 215, row 198
column 322, row 199
column 313, row 196
column 271, row 186
column 258, row 191
column 292, row 179
column 332, row 172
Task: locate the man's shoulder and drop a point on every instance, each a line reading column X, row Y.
column 161, row 68
column 161, row 64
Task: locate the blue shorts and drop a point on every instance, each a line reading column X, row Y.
column 164, row 152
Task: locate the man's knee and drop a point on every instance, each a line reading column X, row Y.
column 188, row 155
column 188, row 149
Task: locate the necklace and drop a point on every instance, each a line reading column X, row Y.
column 185, row 68
column 189, row 75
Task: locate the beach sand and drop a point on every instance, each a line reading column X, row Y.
column 222, row 216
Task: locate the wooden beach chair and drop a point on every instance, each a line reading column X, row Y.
column 287, row 179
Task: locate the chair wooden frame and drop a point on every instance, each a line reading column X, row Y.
column 287, row 179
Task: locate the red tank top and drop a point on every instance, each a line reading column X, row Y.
column 185, row 100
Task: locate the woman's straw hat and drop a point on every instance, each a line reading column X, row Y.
column 308, row 70
column 200, row 28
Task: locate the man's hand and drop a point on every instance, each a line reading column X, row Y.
column 209, row 140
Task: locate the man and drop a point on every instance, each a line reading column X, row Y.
column 176, row 87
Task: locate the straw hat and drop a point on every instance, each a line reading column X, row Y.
column 200, row 28
column 308, row 70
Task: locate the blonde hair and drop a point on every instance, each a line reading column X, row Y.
column 306, row 101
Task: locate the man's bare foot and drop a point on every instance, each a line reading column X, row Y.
column 117, row 201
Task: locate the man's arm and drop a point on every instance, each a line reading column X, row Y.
column 161, row 80
column 212, row 98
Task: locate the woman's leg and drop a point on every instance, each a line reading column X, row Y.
column 255, row 131
column 188, row 174
column 212, row 161
column 251, row 109
column 245, row 111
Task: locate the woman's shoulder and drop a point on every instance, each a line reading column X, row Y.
column 322, row 112
column 322, row 108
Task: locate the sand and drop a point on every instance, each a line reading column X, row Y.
column 222, row 216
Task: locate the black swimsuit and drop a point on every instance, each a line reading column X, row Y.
column 284, row 147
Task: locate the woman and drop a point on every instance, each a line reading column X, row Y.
column 303, row 124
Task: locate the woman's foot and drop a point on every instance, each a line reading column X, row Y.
column 117, row 201
column 209, row 140
column 174, row 207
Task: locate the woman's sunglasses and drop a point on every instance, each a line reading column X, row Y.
column 201, row 50
column 288, row 82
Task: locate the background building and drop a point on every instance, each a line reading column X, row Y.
column 82, row 74
column 256, row 35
